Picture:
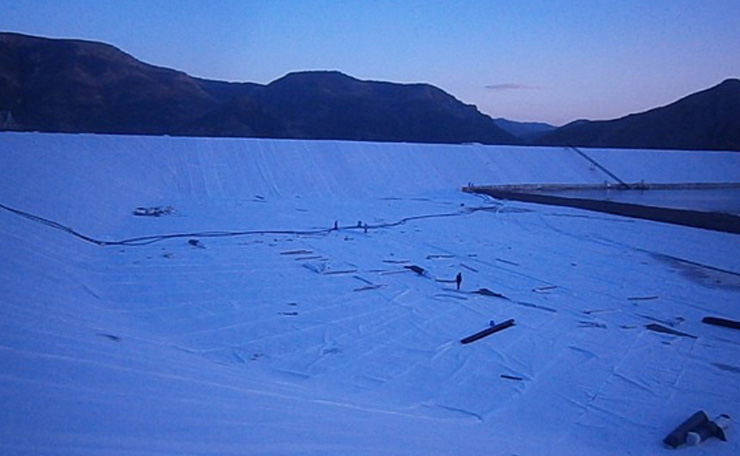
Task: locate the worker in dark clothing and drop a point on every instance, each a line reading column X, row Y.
column 458, row 279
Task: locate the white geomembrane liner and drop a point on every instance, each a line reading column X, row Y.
column 278, row 335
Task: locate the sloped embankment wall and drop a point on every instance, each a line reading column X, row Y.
column 102, row 177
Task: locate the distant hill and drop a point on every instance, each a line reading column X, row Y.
column 528, row 131
column 59, row 85
column 80, row 86
column 75, row 86
column 706, row 120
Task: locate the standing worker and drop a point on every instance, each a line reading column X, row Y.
column 458, row 280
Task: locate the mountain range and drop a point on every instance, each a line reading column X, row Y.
column 61, row 85
column 706, row 120
column 82, row 86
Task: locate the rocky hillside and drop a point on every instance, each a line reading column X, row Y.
column 80, row 86
column 706, row 120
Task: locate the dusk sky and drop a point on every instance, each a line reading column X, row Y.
column 552, row 61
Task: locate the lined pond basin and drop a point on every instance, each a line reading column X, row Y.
column 706, row 200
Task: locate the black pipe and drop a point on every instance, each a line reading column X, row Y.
column 488, row 331
column 721, row 322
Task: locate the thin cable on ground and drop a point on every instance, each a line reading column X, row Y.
column 146, row 240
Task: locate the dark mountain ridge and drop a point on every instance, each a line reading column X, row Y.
column 58, row 85
column 77, row 86
column 74, row 86
column 705, row 120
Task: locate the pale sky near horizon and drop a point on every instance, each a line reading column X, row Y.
column 532, row 60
